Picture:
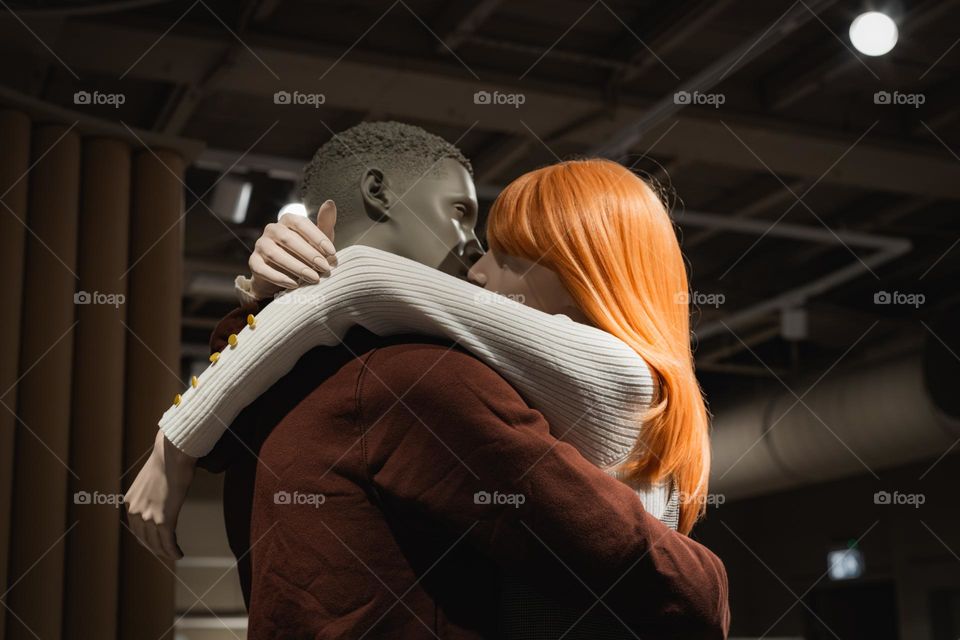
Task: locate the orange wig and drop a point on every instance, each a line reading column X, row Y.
column 608, row 236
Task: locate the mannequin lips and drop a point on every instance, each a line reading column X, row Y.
column 455, row 265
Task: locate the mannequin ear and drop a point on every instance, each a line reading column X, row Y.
column 376, row 193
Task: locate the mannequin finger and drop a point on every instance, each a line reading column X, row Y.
column 314, row 235
column 168, row 541
column 262, row 270
column 153, row 539
column 327, row 219
column 280, row 259
column 136, row 524
column 292, row 242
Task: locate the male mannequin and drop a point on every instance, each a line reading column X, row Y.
column 402, row 492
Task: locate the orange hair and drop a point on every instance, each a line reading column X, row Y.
column 608, row 236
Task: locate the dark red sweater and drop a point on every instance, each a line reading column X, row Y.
column 370, row 515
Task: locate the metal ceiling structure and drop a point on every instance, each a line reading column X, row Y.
column 797, row 175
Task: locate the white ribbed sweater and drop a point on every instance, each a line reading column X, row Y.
column 591, row 387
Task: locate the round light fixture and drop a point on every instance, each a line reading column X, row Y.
column 873, row 33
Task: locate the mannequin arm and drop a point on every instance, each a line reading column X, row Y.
column 591, row 387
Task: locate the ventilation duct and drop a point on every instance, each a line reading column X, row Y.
column 858, row 420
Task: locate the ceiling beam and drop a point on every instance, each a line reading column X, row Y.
column 357, row 84
column 461, row 21
column 622, row 140
column 185, row 99
column 683, row 24
column 780, row 196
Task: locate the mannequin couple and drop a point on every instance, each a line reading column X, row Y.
column 498, row 465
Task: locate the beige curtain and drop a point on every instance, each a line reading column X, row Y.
column 91, row 254
column 14, row 164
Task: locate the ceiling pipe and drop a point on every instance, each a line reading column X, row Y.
column 858, row 421
column 887, row 249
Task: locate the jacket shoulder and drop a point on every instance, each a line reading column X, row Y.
column 446, row 378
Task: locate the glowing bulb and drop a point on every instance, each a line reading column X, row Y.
column 873, row 33
column 296, row 208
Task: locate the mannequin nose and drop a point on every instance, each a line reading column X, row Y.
column 472, row 251
column 476, row 276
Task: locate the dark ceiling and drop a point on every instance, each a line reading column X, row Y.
column 836, row 195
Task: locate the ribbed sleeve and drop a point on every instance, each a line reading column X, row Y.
column 591, row 387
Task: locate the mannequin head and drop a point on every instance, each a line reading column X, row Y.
column 399, row 189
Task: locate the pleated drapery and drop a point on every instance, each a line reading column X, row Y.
column 91, row 257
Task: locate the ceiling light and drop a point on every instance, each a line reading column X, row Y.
column 873, row 33
column 296, row 208
column 231, row 199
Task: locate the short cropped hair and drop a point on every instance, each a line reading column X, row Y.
column 398, row 149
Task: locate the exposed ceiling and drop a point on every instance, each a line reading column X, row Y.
column 800, row 181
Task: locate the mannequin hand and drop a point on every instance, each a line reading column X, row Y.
column 293, row 246
column 156, row 496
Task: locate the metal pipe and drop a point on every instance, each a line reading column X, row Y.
column 860, row 420
column 888, row 249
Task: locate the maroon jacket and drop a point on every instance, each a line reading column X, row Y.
column 402, row 476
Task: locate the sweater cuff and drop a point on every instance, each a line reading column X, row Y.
column 244, row 289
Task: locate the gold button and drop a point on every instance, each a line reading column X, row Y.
column 194, row 382
column 176, row 400
column 251, row 321
column 232, row 340
column 214, row 356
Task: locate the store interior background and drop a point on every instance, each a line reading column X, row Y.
column 814, row 188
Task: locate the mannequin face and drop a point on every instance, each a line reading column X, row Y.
column 445, row 201
column 431, row 220
column 526, row 282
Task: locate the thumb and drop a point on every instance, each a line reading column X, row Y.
column 327, row 218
